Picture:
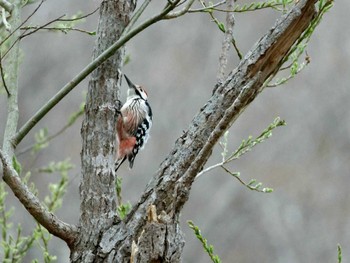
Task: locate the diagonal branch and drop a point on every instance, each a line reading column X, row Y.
column 54, row 225
column 246, row 82
column 85, row 72
column 181, row 12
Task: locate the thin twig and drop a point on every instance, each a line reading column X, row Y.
column 40, row 27
column 228, row 36
column 208, row 8
column 24, row 21
column 54, row 225
column 181, row 12
column 63, row 29
column 3, row 77
column 59, row 19
column 49, row 138
column 85, row 72
column 80, row 17
column 290, row 76
column 239, row 9
column 208, row 169
column 253, row 187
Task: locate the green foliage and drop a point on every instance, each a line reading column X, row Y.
column 57, row 190
column 75, row 115
column 244, row 147
column 16, row 165
column 64, row 25
column 339, row 253
column 41, row 140
column 300, row 46
column 208, row 248
column 16, row 247
column 250, row 143
column 127, row 59
column 274, row 4
column 118, row 189
column 122, row 209
column 42, row 137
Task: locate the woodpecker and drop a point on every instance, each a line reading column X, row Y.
column 133, row 124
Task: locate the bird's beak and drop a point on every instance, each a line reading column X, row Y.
column 131, row 85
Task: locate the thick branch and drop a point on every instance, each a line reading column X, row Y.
column 55, row 226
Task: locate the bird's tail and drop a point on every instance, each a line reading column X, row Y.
column 118, row 163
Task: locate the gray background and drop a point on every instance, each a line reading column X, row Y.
column 307, row 162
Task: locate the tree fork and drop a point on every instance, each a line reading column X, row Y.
column 97, row 192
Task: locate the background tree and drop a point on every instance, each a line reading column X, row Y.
column 270, row 70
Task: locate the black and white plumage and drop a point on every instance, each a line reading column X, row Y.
column 134, row 124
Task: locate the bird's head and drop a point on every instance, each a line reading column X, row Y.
column 135, row 90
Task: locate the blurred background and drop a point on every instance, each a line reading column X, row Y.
column 307, row 163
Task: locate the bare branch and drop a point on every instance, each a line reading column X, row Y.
column 62, row 29
column 228, row 36
column 207, row 8
column 84, row 73
column 59, row 19
column 246, row 7
column 54, row 225
column 79, row 17
column 38, row 28
column 3, row 78
column 17, row 28
column 56, row 134
column 181, row 12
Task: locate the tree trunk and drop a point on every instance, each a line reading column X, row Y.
column 97, row 187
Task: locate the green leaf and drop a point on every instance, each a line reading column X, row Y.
column 222, row 27
column 16, row 165
column 41, row 140
column 267, row 190
column 208, row 248
column 339, row 253
column 251, row 182
column 123, row 210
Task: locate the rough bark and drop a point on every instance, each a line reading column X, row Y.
column 151, row 232
column 97, row 190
